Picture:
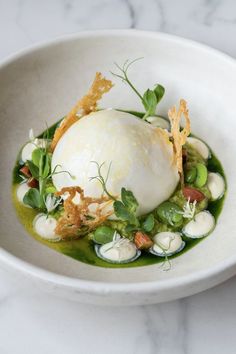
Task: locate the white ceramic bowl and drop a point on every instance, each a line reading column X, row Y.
column 41, row 84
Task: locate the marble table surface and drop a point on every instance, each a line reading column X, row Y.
column 35, row 322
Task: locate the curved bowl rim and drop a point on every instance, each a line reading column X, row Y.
column 97, row 287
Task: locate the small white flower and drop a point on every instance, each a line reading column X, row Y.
column 51, row 202
column 116, row 237
column 23, row 179
column 189, row 209
column 31, row 135
column 118, row 242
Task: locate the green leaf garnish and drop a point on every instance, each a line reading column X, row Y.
column 36, row 156
column 159, row 91
column 129, row 200
column 33, row 169
column 124, row 214
column 40, row 168
column 44, row 165
column 126, row 208
column 150, row 102
column 33, row 198
column 148, row 223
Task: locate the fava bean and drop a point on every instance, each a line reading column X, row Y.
column 191, row 175
column 170, row 213
column 202, row 173
column 176, row 218
column 103, row 234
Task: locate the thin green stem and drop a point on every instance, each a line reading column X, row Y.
column 133, row 88
column 101, row 179
column 125, row 77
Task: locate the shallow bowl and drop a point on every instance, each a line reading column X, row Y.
column 41, row 84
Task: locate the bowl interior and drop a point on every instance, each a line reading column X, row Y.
column 40, row 87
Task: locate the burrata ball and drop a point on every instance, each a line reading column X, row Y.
column 140, row 157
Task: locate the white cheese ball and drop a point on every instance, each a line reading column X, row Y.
column 140, row 154
column 124, row 252
column 160, row 122
column 44, row 226
column 200, row 146
column 216, row 185
column 167, row 242
column 21, row 191
column 202, row 224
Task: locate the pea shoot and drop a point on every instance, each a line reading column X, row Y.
column 150, row 98
column 126, row 208
column 40, row 168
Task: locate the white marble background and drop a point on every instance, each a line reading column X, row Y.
column 36, row 323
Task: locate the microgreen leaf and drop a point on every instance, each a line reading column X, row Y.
column 159, row 91
column 149, row 102
column 33, row 198
column 124, row 214
column 44, row 165
column 148, row 223
column 126, row 208
column 33, row 169
column 129, row 200
column 36, row 155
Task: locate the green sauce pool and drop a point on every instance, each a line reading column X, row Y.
column 82, row 249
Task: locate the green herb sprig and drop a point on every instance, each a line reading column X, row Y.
column 126, row 208
column 150, row 98
column 40, row 169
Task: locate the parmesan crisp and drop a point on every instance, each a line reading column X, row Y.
column 179, row 136
column 76, row 216
column 84, row 106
